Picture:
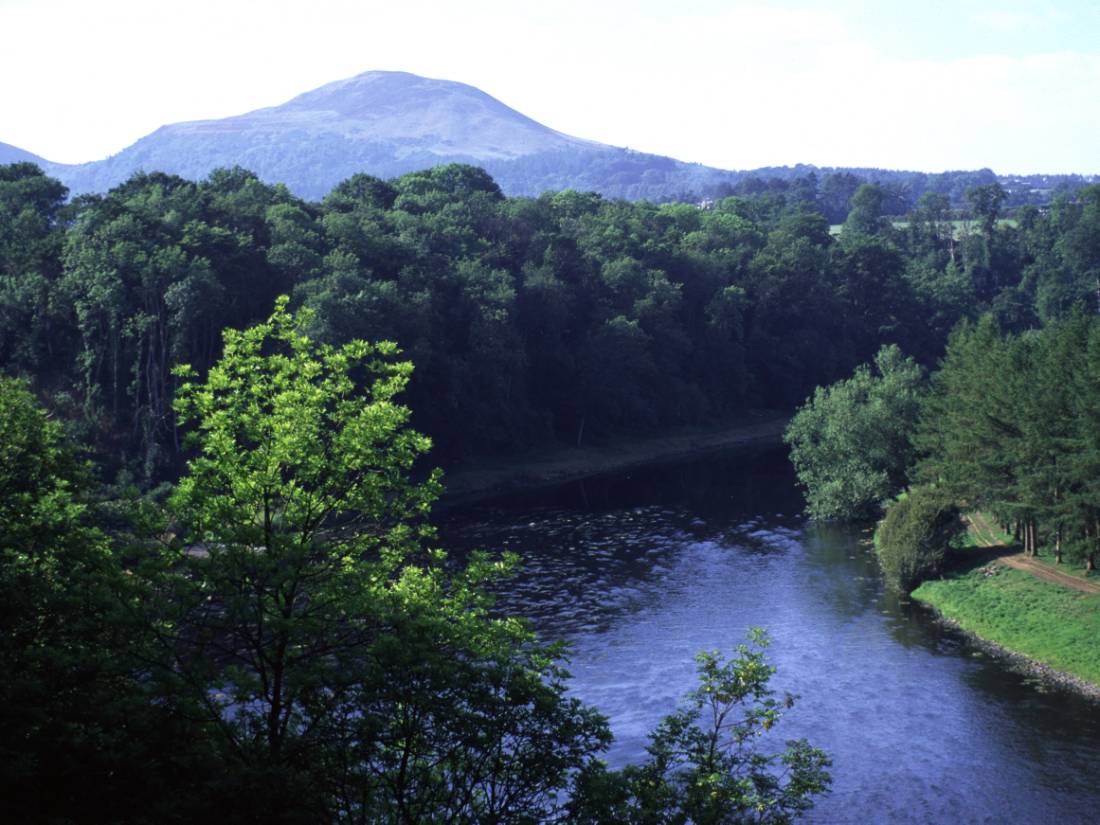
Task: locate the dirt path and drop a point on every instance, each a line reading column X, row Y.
column 987, row 537
column 561, row 464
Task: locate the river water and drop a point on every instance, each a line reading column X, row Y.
column 640, row 571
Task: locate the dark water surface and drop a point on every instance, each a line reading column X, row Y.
column 639, row 572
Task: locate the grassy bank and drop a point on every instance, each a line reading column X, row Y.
column 1050, row 624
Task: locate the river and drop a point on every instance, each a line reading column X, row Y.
column 640, row 571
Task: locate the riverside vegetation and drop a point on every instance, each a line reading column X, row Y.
column 1007, row 425
column 250, row 617
column 277, row 641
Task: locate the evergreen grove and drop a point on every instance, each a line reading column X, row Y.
column 1009, row 424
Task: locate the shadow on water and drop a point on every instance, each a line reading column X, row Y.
column 640, row 571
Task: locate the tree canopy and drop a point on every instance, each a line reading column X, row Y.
column 850, row 443
column 566, row 317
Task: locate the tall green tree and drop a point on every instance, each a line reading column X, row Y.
column 850, row 443
column 84, row 733
column 33, row 335
column 351, row 676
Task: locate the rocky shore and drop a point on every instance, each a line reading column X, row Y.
column 1024, row 665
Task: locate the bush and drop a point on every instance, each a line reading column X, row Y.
column 913, row 539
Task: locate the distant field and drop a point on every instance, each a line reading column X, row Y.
column 961, row 227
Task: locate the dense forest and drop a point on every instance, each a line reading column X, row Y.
column 566, row 317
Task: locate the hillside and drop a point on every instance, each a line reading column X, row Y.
column 13, row 154
column 387, row 124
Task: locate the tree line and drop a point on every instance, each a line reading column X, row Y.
column 1011, row 427
column 830, row 190
column 566, row 317
column 1006, row 423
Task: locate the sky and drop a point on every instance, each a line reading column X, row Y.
column 928, row 85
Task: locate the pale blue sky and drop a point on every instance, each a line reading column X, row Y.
column 918, row 85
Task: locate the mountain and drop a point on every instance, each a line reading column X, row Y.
column 387, row 124
column 13, row 154
column 390, row 123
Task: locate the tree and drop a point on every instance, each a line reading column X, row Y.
column 865, row 215
column 351, row 676
column 82, row 736
column 850, row 442
column 31, row 234
column 985, row 204
column 704, row 766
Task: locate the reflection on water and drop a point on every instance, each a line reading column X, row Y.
column 639, row 572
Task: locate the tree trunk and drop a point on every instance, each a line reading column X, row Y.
column 1090, row 556
column 1058, row 546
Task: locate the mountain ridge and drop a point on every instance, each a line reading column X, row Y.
column 389, row 123
column 385, row 124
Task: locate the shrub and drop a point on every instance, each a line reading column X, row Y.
column 913, row 539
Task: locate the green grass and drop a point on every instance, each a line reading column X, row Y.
column 1045, row 622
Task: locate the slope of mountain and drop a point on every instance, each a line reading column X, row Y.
column 13, row 154
column 390, row 123
column 387, row 124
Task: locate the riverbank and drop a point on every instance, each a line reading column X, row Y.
column 1045, row 629
column 556, row 465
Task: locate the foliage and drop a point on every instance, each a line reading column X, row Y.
column 850, row 442
column 565, row 316
column 81, row 732
column 350, row 675
column 705, row 763
column 287, row 647
column 915, row 536
column 1010, row 427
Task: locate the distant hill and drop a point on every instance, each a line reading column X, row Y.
column 391, row 123
column 387, row 124
column 13, row 154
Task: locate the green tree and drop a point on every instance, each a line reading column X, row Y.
column 351, row 676
column 850, row 442
column 985, row 204
column 865, row 215
column 704, row 765
column 83, row 734
column 32, row 334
